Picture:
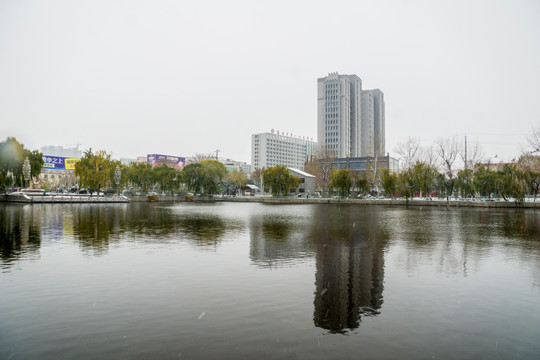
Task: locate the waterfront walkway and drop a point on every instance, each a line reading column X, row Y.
column 62, row 198
column 391, row 202
column 454, row 203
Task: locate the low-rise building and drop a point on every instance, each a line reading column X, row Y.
column 232, row 165
column 363, row 164
column 307, row 184
column 495, row 164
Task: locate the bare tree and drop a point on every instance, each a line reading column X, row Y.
column 256, row 176
column 530, row 165
column 534, row 139
column 447, row 149
column 321, row 167
column 408, row 152
column 471, row 154
column 428, row 156
column 198, row 157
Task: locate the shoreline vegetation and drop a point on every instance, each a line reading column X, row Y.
column 428, row 177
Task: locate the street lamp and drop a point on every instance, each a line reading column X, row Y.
column 117, row 177
column 26, row 170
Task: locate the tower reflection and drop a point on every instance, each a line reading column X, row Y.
column 349, row 277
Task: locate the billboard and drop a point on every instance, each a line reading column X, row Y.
column 70, row 163
column 59, row 163
column 158, row 159
column 53, row 162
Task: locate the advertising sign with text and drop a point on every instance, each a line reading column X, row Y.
column 157, row 159
column 53, row 162
column 70, row 163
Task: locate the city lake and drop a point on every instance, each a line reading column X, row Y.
column 266, row 281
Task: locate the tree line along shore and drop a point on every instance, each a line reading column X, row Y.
column 517, row 182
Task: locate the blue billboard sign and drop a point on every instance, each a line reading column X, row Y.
column 54, row 162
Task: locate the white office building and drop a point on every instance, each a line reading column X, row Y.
column 271, row 149
column 350, row 121
column 61, row 151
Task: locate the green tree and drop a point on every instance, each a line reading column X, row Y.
column 165, row 178
column 236, row 179
column 36, row 162
column 485, row 181
column 279, row 180
column 405, row 183
column 389, row 182
column 360, row 183
column 192, row 177
column 424, row 177
column 95, row 170
column 511, row 183
column 141, row 175
column 342, row 181
column 213, row 172
column 12, row 155
column 464, row 182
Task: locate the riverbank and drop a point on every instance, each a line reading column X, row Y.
column 60, row 199
column 271, row 200
column 385, row 202
column 389, row 202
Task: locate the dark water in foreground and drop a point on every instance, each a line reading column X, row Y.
column 256, row 281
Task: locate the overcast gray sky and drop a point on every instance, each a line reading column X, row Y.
column 184, row 77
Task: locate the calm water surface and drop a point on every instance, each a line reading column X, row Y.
column 256, row 281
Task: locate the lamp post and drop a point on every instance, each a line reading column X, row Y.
column 26, row 170
column 117, row 177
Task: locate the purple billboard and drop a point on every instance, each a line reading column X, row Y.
column 158, row 159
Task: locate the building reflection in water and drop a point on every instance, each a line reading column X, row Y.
column 349, row 243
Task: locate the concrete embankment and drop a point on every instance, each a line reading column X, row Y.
column 379, row 202
column 388, row 202
column 290, row 201
column 61, row 199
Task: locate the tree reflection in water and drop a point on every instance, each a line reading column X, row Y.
column 96, row 226
column 278, row 237
column 20, row 232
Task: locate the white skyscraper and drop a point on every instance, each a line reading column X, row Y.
column 350, row 122
column 339, row 107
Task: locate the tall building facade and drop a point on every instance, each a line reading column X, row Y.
column 350, row 121
column 271, row 149
column 373, row 137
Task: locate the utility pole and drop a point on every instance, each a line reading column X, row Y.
column 217, row 153
column 465, row 152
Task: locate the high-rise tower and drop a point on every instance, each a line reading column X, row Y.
column 338, row 114
column 350, row 121
column 373, row 123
